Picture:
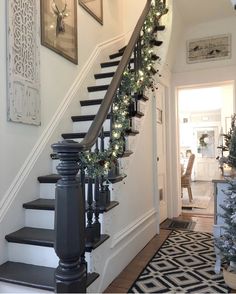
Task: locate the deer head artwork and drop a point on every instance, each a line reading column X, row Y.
column 60, row 15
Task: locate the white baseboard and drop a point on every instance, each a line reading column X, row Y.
column 131, row 241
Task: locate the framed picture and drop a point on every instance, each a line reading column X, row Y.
column 159, row 116
column 208, row 49
column 59, row 27
column 94, row 8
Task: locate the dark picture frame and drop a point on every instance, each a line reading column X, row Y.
column 59, row 31
column 94, row 8
column 209, row 48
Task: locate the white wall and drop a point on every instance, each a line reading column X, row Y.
column 57, row 76
column 184, row 74
column 132, row 10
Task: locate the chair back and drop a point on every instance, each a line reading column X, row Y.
column 189, row 168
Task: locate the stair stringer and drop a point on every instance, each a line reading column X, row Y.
column 25, row 186
column 134, row 222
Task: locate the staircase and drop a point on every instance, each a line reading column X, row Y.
column 32, row 258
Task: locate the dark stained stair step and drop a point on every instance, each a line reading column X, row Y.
column 34, row 276
column 49, row 204
column 159, row 28
column 156, row 43
column 91, row 102
column 32, row 236
column 104, row 75
column 45, row 238
column 82, row 135
column 40, row 204
column 110, row 63
column 113, row 63
column 98, row 88
column 122, row 49
column 89, row 117
column 127, row 153
column 115, row 55
column 53, row 179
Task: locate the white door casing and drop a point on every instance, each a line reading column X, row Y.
column 161, row 151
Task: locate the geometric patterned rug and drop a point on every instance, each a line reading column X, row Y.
column 183, row 264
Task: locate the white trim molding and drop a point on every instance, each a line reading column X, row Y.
column 132, row 227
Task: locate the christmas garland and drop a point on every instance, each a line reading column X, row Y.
column 98, row 163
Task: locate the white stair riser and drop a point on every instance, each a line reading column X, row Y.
column 43, row 219
column 108, row 69
column 141, row 106
column 97, row 94
column 136, row 124
column 55, row 163
column 37, row 255
column 83, row 126
column 12, row 288
column 91, row 109
column 115, row 59
column 104, row 81
column 47, row 191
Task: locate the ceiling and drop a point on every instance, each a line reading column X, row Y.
column 198, row 11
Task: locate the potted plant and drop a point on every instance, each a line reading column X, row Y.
column 227, row 241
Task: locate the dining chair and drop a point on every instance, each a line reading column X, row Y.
column 186, row 177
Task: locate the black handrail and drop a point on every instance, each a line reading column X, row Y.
column 96, row 126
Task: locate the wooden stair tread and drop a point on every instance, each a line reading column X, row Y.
column 89, row 117
column 32, row 236
column 97, row 88
column 34, row 276
column 115, row 55
column 104, row 75
column 45, row 238
column 49, row 204
column 40, row 204
column 90, row 102
column 82, row 135
column 113, row 63
column 28, row 275
column 53, row 179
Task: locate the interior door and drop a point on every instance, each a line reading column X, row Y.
column 206, row 166
column 161, row 151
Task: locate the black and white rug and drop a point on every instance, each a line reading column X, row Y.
column 184, row 264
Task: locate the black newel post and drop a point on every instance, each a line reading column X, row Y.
column 70, row 275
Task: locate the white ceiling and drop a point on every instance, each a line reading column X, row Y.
column 197, row 11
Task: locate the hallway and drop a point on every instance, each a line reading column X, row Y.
column 126, row 278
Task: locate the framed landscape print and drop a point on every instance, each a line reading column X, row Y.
column 59, row 27
column 209, row 49
column 94, row 8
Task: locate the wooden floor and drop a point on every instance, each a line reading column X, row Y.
column 126, row 278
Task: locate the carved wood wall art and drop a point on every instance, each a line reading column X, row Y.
column 23, row 62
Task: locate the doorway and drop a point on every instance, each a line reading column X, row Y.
column 204, row 112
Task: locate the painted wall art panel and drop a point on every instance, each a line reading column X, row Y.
column 23, row 61
column 59, row 27
column 209, row 49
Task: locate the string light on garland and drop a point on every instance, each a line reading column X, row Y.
column 99, row 163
